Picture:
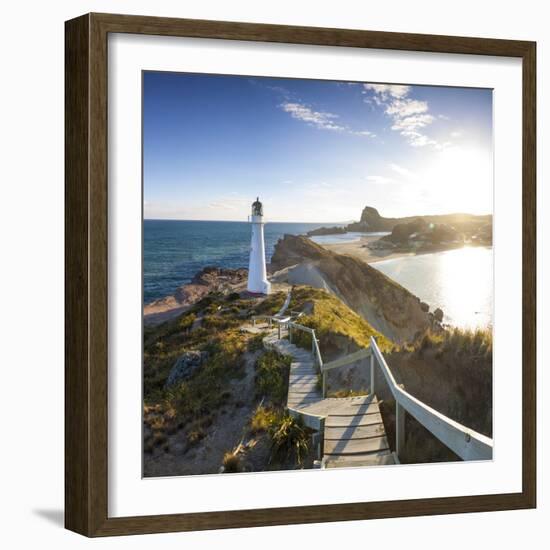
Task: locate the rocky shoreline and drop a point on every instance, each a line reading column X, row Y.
column 386, row 305
column 209, row 279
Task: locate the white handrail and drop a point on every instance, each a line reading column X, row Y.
column 466, row 443
column 317, row 351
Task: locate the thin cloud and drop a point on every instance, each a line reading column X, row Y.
column 384, row 91
column 379, row 179
column 401, row 171
column 320, row 119
column 409, row 116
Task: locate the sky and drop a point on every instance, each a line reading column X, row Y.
column 312, row 150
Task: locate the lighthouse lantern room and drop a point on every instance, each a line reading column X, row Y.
column 257, row 272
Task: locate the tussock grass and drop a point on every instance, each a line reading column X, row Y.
column 451, row 372
column 232, row 463
column 290, row 439
column 272, row 370
column 263, row 419
column 256, row 342
column 332, row 321
column 271, row 305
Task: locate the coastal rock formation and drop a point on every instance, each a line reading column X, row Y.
column 210, row 279
column 402, row 231
column 418, row 233
column 386, row 305
column 185, row 367
column 371, row 220
column 327, row 231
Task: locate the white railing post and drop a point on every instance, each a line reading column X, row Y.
column 324, row 384
column 290, row 333
column 313, row 346
column 372, row 373
column 399, row 429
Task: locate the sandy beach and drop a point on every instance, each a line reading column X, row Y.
column 359, row 250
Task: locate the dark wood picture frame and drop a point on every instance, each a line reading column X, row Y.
column 86, row 284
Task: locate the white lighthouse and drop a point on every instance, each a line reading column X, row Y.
column 257, row 273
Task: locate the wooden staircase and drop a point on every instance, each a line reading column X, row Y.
column 353, row 432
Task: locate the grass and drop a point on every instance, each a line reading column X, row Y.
column 271, row 305
column 335, row 324
column 232, row 463
column 193, row 402
column 272, row 370
column 290, row 439
column 451, row 372
column 263, row 419
column 256, row 342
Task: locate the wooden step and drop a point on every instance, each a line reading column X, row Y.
column 304, row 386
column 356, row 461
column 355, row 446
column 346, row 421
column 354, row 432
column 355, row 410
column 302, row 379
column 302, row 389
column 312, row 394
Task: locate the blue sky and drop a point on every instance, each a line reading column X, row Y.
column 315, row 151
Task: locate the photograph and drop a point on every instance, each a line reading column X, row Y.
column 317, row 275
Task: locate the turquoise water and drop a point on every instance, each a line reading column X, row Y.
column 173, row 251
column 460, row 282
column 343, row 238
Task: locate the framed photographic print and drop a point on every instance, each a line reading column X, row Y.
column 300, row 274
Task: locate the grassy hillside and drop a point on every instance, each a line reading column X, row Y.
column 338, row 328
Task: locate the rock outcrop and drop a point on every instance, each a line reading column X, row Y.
column 386, row 305
column 210, row 279
column 185, row 366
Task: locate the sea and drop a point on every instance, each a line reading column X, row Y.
column 174, row 251
column 459, row 281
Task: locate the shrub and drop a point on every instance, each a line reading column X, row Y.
column 290, row 439
column 232, row 463
column 263, row 419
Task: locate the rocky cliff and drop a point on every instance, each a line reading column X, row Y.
column 371, row 220
column 386, row 305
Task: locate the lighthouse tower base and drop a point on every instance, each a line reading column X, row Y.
column 257, row 273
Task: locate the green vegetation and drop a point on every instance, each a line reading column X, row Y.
column 332, row 321
column 232, row 462
column 271, row 305
column 452, row 372
column 256, row 342
column 264, row 418
column 290, row 439
column 272, row 370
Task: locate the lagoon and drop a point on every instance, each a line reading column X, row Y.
column 458, row 281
